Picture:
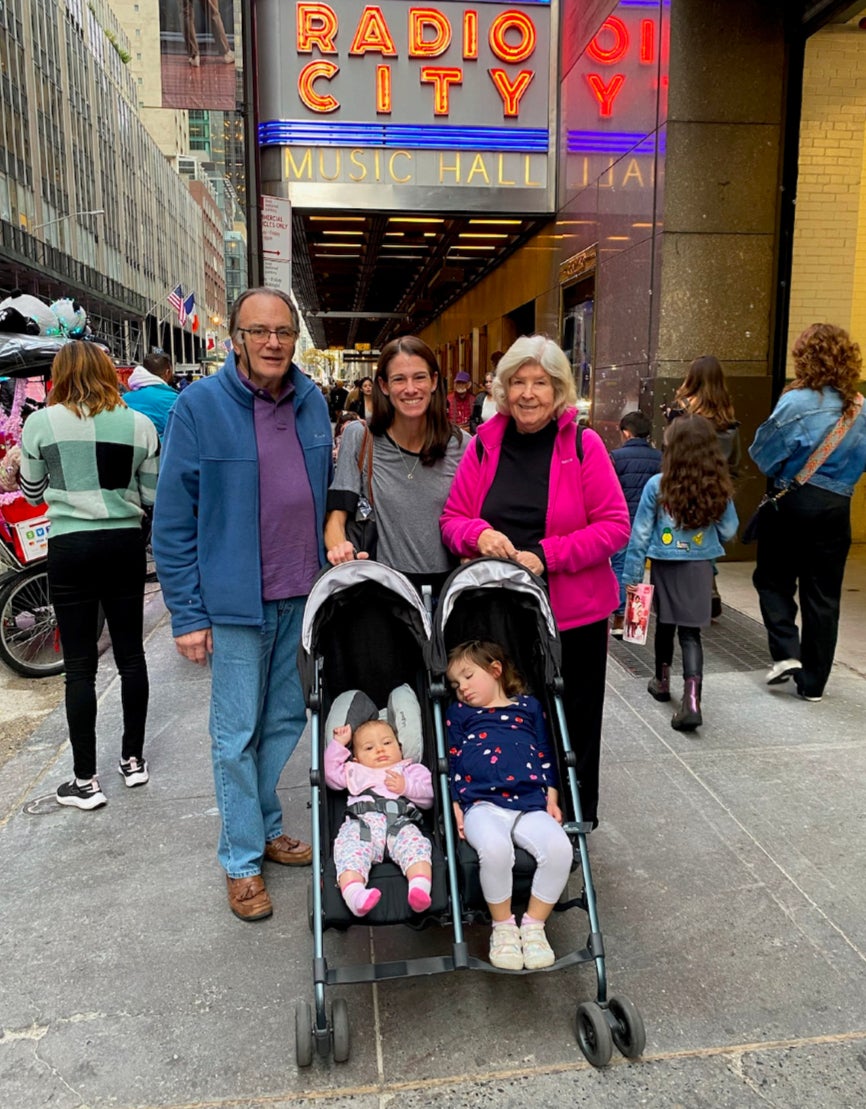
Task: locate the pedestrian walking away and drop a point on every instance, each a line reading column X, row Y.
column 237, row 540
column 813, row 448
column 685, row 515
column 94, row 463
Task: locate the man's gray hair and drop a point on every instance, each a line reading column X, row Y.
column 263, row 290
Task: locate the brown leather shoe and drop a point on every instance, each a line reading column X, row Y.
column 288, row 852
column 248, row 898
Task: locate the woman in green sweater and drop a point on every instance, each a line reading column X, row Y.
column 94, row 462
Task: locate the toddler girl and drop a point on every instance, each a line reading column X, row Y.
column 378, row 769
column 684, row 516
column 503, row 787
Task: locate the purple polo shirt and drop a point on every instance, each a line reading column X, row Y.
column 287, row 512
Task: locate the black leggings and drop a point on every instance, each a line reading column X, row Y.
column 85, row 570
column 690, row 645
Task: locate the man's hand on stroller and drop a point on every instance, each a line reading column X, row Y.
column 195, row 646
column 458, row 820
column 344, row 552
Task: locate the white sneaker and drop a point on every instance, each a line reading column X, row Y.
column 780, row 671
column 133, row 771
column 505, row 950
column 537, row 952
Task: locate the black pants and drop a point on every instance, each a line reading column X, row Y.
column 804, row 542
column 690, row 646
column 85, row 570
column 584, row 666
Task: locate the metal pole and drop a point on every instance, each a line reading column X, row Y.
column 251, row 145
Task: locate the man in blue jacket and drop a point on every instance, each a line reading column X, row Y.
column 238, row 540
column 150, row 392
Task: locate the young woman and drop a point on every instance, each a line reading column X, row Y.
column 94, row 462
column 363, row 406
column 803, row 546
column 685, row 515
column 415, row 452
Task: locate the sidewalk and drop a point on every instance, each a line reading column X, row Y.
column 728, row 868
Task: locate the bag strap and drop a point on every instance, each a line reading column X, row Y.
column 829, row 443
column 365, row 461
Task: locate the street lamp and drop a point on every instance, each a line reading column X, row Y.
column 72, row 215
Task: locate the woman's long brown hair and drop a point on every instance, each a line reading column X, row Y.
column 826, row 355
column 439, row 428
column 696, row 485
column 704, row 393
column 84, row 380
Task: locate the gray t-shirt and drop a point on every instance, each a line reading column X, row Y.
column 408, row 498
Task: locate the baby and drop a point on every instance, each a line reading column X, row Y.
column 378, row 770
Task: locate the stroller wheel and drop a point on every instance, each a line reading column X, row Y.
column 340, row 1029
column 593, row 1034
column 303, row 1034
column 629, row 1035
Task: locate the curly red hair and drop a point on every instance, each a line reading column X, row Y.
column 826, row 355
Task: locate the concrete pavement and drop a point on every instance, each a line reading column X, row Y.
column 728, row 868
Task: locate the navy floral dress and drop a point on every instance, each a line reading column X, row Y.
column 502, row 755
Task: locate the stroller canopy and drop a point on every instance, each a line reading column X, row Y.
column 491, row 586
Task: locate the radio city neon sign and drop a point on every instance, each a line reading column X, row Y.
column 610, row 47
column 512, row 39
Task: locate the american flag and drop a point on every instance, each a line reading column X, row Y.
column 175, row 299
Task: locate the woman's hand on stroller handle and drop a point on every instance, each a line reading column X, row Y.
column 495, row 544
column 344, row 552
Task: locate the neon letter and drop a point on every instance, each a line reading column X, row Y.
column 421, row 19
column 441, row 79
column 620, row 42
column 605, row 94
column 311, row 72
column 647, row 41
column 511, row 91
column 372, row 34
column 470, row 35
column 317, row 25
column 383, row 89
column 512, row 21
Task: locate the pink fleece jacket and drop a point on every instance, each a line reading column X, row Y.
column 587, row 518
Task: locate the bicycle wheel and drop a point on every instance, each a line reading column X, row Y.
column 29, row 639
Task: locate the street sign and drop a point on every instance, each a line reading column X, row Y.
column 277, row 242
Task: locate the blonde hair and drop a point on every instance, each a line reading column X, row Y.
column 545, row 353
column 84, row 379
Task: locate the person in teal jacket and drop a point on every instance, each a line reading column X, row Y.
column 237, row 537
column 685, row 515
column 151, row 396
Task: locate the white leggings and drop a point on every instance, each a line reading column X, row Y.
column 489, row 829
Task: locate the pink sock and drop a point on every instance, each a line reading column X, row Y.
column 510, row 920
column 360, row 899
column 419, row 894
column 527, row 919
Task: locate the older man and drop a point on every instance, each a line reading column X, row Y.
column 238, row 540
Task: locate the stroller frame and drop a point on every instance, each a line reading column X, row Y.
column 599, row 1023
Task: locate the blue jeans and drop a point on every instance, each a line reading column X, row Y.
column 617, row 564
column 257, row 715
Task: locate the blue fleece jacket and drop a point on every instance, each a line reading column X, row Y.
column 206, row 521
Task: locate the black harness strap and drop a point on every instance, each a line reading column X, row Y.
column 398, row 812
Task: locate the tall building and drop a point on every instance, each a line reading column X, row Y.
column 89, row 207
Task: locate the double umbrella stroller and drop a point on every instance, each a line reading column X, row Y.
column 405, row 644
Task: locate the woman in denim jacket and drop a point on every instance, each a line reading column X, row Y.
column 684, row 516
column 805, row 542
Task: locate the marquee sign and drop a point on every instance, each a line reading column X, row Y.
column 381, row 105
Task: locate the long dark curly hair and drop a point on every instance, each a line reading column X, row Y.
column 696, row 485
column 438, row 428
column 827, row 355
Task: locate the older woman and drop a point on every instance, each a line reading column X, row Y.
column 94, row 462
column 543, row 492
column 804, row 542
column 415, row 452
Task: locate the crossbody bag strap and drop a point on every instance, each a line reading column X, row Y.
column 365, row 461
column 829, row 443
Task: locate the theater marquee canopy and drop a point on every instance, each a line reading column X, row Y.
column 399, row 107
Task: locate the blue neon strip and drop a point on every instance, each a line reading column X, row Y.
column 613, row 142
column 282, row 132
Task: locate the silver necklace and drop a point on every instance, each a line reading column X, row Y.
column 409, row 473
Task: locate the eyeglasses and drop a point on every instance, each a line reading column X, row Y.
column 262, row 334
